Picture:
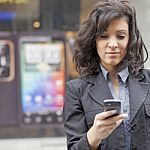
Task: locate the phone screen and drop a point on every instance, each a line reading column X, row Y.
column 42, row 81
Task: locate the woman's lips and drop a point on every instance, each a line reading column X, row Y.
column 112, row 54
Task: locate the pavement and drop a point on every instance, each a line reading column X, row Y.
column 56, row 143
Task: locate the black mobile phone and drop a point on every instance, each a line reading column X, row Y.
column 112, row 104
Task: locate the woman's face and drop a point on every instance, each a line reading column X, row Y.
column 112, row 44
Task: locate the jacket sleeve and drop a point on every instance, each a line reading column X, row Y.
column 74, row 119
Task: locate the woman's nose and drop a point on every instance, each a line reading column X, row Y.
column 112, row 44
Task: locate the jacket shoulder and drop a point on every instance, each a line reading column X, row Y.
column 146, row 73
column 78, row 82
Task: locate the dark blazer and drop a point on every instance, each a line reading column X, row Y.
column 84, row 99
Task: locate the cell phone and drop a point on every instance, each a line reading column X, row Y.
column 42, row 80
column 112, row 104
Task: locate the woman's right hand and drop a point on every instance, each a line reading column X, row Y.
column 103, row 126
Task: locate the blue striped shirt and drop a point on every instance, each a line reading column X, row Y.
column 123, row 96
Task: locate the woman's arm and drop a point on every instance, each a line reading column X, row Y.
column 78, row 135
column 74, row 119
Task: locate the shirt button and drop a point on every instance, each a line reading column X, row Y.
column 133, row 127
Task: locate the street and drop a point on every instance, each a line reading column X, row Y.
column 58, row 143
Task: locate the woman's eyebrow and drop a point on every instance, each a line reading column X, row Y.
column 122, row 30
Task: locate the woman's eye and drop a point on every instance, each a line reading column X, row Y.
column 121, row 37
column 103, row 36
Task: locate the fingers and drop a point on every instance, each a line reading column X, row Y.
column 102, row 118
column 110, row 128
column 104, row 126
column 106, row 114
column 118, row 122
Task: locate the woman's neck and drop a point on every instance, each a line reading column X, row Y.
column 114, row 80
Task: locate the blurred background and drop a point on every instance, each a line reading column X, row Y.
column 37, row 39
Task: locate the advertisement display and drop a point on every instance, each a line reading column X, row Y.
column 7, row 67
column 42, row 80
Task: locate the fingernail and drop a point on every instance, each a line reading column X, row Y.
column 113, row 111
column 125, row 115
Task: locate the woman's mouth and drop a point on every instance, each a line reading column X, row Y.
column 112, row 54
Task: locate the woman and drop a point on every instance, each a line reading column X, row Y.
column 109, row 58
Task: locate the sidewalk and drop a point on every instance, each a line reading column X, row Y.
column 34, row 144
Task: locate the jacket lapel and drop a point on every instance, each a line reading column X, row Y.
column 137, row 92
column 100, row 90
column 137, row 95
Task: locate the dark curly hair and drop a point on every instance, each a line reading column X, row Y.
column 86, row 57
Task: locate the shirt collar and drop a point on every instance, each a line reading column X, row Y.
column 123, row 74
column 105, row 72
